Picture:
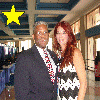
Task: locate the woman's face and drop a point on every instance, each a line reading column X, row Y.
column 62, row 37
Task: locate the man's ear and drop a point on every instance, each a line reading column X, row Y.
column 33, row 36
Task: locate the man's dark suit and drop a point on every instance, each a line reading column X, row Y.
column 32, row 80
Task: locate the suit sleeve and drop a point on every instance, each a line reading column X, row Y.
column 21, row 79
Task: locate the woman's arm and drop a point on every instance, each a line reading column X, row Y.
column 80, row 69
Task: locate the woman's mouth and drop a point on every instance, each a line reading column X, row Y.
column 61, row 40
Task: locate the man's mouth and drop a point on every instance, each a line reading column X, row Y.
column 43, row 40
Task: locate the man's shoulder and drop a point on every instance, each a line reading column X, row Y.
column 26, row 52
column 52, row 53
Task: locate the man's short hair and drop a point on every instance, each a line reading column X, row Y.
column 39, row 23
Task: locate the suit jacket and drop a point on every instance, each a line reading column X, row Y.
column 32, row 80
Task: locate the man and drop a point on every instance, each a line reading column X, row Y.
column 33, row 79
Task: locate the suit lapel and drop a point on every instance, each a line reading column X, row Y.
column 38, row 57
column 40, row 61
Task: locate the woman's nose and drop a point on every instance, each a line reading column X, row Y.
column 61, row 35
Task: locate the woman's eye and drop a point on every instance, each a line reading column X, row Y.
column 58, row 33
column 64, row 32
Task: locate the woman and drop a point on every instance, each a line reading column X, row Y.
column 71, row 76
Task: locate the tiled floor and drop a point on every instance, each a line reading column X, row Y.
column 8, row 93
column 92, row 93
column 93, row 87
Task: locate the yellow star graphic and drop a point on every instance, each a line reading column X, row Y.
column 13, row 16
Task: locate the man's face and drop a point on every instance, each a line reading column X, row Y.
column 41, row 36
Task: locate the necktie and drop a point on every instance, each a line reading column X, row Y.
column 49, row 66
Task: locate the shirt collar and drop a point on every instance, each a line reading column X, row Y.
column 40, row 49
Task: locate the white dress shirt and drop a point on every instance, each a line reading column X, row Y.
column 43, row 57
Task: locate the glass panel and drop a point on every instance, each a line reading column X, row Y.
column 25, row 45
column 79, row 45
column 93, row 18
column 90, row 53
column 76, row 27
column 98, row 44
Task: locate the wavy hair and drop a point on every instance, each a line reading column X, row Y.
column 67, row 54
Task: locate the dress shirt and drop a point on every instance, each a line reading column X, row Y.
column 43, row 57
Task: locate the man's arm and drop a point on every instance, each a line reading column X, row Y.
column 21, row 79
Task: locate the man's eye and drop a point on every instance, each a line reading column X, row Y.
column 38, row 32
column 45, row 32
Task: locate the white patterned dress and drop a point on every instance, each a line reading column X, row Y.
column 68, row 83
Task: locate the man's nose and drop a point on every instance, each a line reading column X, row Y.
column 42, row 35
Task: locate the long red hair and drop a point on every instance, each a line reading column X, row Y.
column 67, row 54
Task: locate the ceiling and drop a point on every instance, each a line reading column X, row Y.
column 50, row 11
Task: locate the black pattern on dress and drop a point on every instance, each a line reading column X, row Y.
column 68, row 83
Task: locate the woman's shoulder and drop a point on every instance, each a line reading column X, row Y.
column 78, row 58
column 77, row 53
column 76, row 50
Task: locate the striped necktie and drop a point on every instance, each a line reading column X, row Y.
column 49, row 66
